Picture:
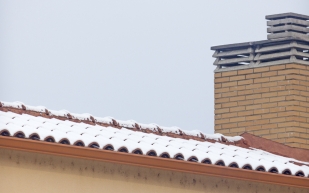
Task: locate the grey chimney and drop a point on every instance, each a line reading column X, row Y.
column 287, row 25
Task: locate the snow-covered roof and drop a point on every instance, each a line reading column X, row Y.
column 124, row 139
column 130, row 124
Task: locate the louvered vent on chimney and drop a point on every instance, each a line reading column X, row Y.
column 287, row 42
column 287, row 25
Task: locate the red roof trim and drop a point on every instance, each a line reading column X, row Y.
column 276, row 148
column 151, row 162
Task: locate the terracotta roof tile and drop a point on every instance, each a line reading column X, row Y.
column 39, row 123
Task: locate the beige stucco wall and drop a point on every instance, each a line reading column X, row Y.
column 32, row 172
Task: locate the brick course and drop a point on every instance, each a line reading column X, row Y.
column 271, row 102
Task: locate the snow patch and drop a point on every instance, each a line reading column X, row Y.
column 61, row 113
column 106, row 120
column 16, row 104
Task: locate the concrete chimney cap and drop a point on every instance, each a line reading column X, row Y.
column 287, row 15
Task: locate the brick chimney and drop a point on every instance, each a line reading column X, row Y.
column 262, row 87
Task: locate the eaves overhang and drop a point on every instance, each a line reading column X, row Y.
column 151, row 162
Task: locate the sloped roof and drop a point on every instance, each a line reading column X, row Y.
column 277, row 148
column 39, row 123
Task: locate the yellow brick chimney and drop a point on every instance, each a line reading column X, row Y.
column 262, row 87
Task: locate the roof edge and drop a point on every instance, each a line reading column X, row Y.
column 287, row 15
column 151, row 162
column 255, row 43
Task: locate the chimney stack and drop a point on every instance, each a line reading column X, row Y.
column 262, row 87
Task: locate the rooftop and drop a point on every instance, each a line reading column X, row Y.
column 108, row 134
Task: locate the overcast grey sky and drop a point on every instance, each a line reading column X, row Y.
column 149, row 61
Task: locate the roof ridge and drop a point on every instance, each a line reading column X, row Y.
column 174, row 131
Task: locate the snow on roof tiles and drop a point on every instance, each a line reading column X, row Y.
column 120, row 138
column 64, row 114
